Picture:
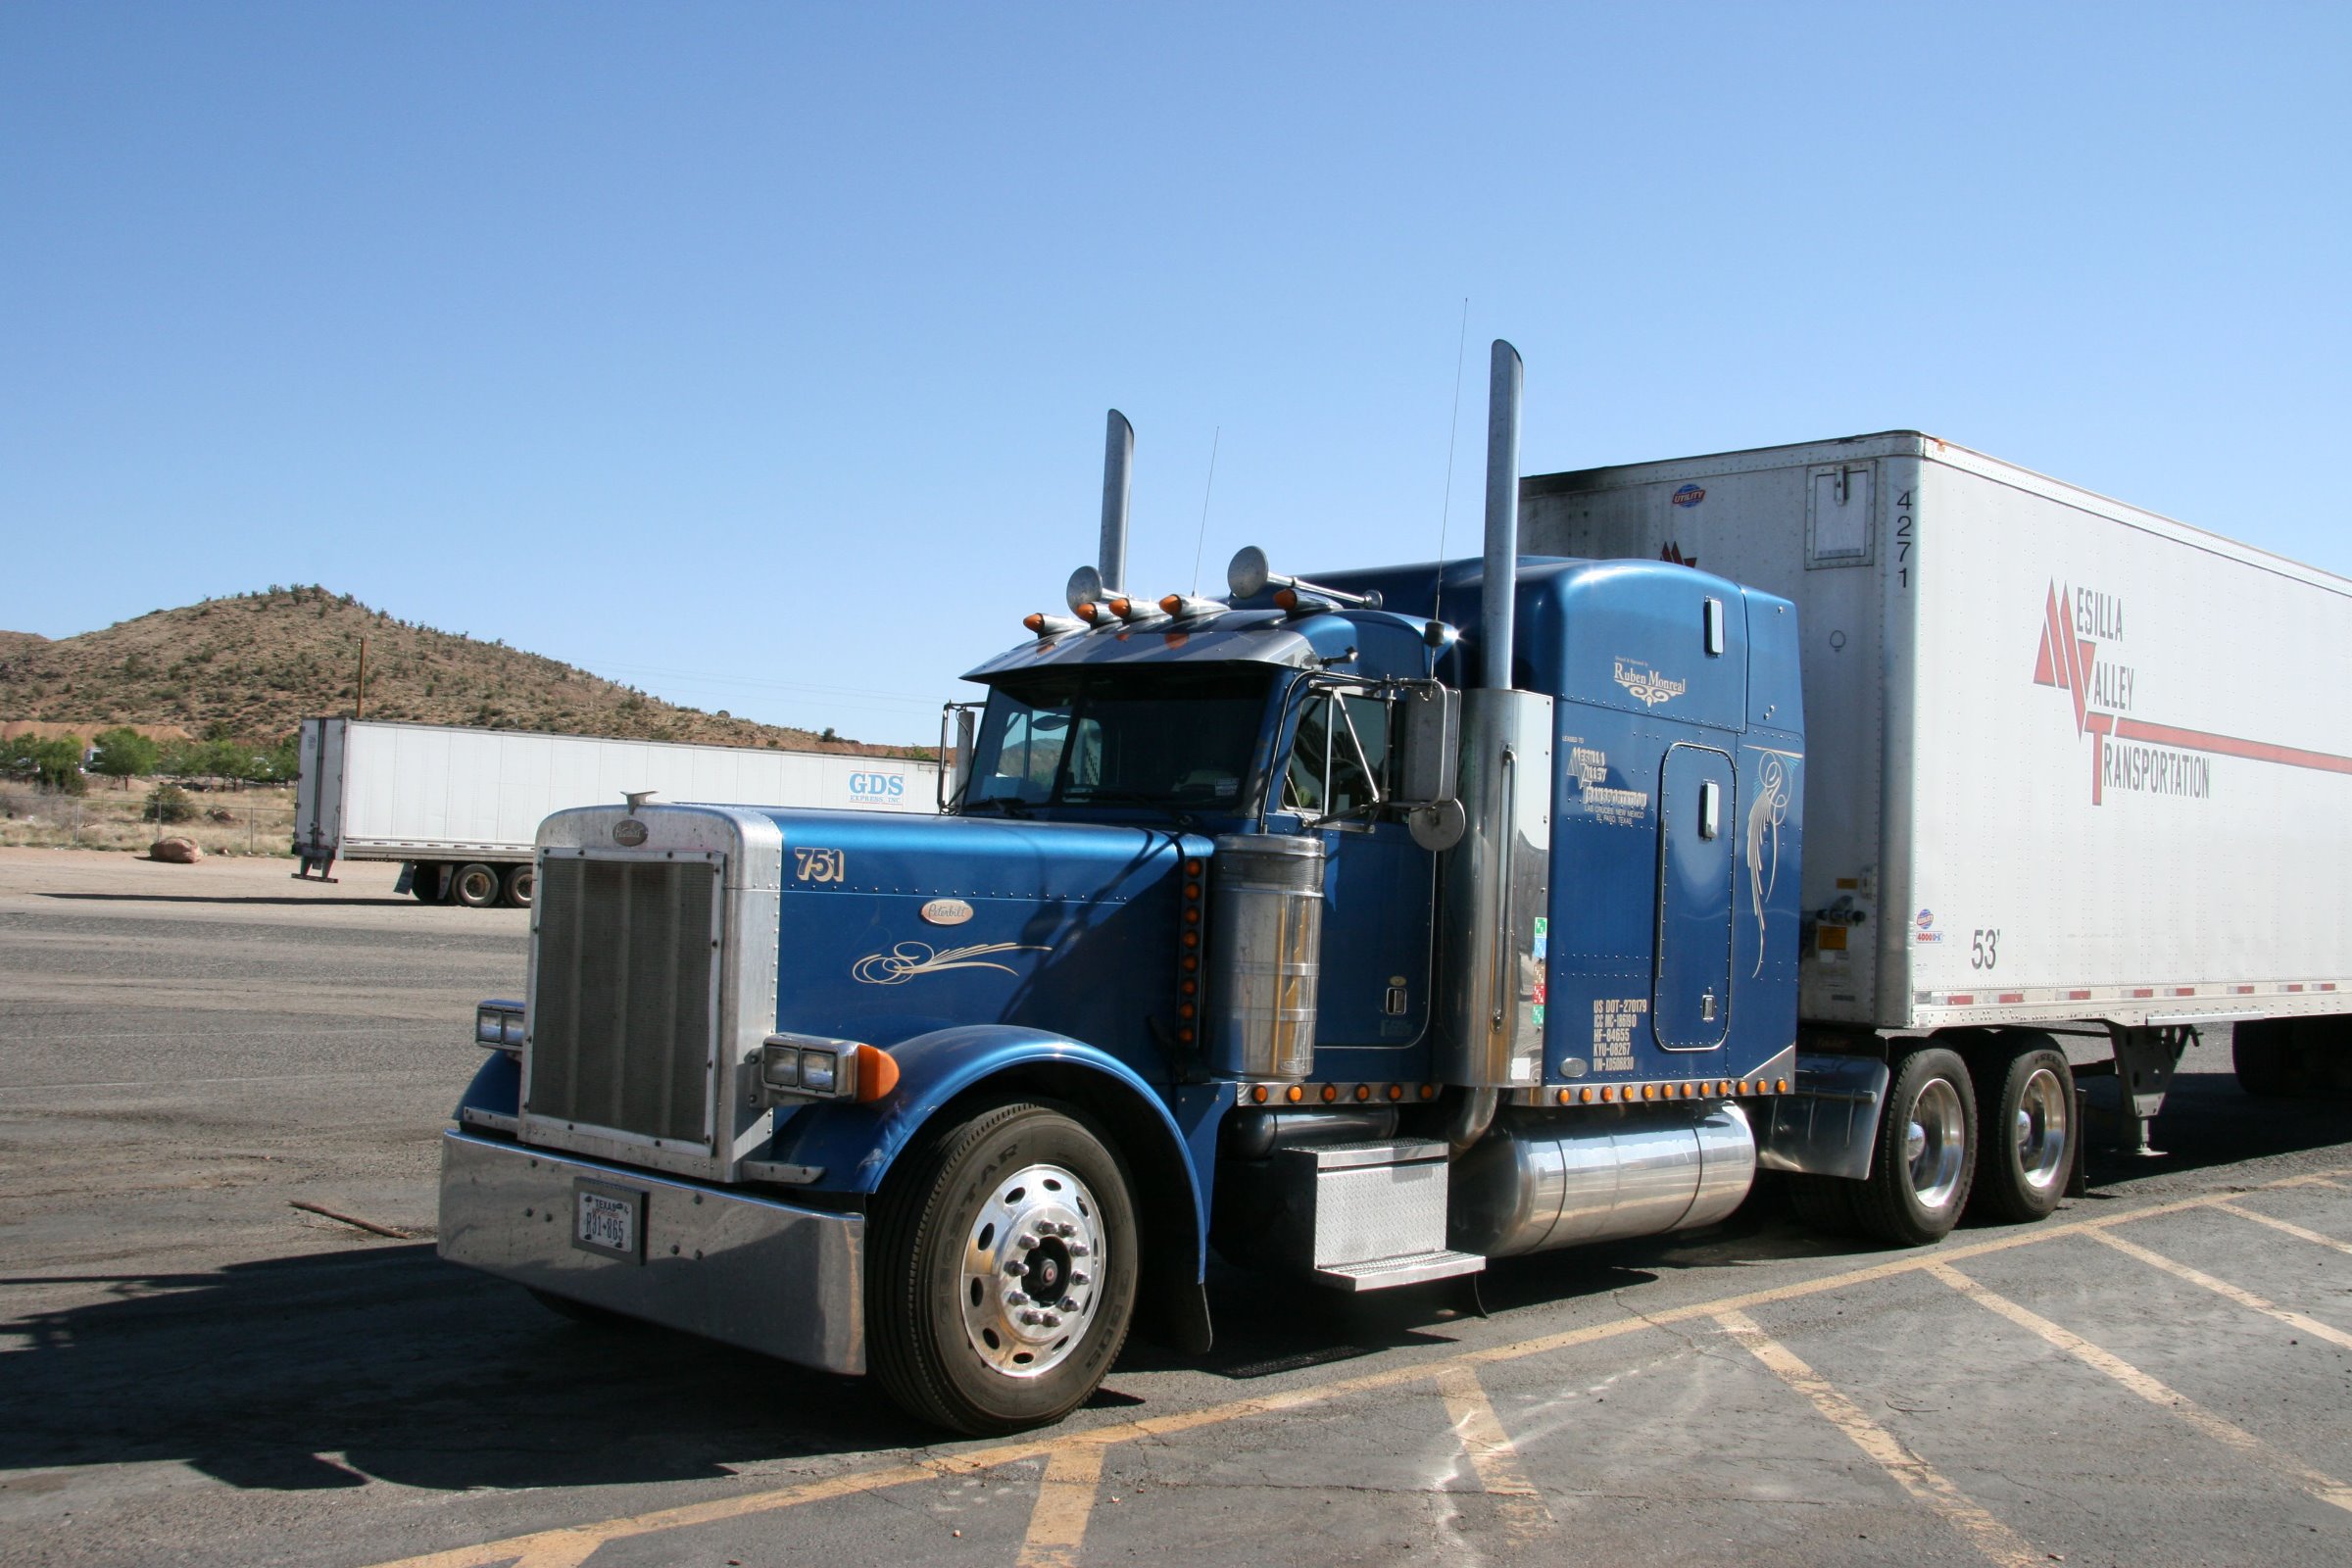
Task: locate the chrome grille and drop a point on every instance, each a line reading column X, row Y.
column 621, row 1012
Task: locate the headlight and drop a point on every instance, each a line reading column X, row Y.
column 498, row 1025
column 795, row 1069
column 819, row 1070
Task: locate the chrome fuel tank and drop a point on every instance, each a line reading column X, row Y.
column 1538, row 1181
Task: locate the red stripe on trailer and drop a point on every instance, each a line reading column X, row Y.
column 2197, row 740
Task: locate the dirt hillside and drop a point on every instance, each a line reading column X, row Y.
column 254, row 666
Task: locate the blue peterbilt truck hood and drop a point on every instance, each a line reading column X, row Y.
column 1072, row 927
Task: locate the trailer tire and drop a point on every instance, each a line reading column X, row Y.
column 518, row 885
column 424, row 883
column 2026, row 1128
column 1922, row 1168
column 2263, row 1052
column 475, row 886
column 964, row 1233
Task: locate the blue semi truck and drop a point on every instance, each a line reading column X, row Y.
column 1362, row 927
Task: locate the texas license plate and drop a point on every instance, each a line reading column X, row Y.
column 609, row 1220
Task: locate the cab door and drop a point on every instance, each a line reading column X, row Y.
column 1379, row 887
column 1691, row 999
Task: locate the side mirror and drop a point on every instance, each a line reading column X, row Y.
column 1429, row 742
column 959, row 729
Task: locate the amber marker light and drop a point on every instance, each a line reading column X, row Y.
column 1429, row 1091
column 1331, row 1092
column 1585, row 1095
column 1172, row 604
column 877, row 1072
column 1258, row 1094
column 1396, row 1090
column 1780, row 1086
column 1294, row 1094
column 1121, row 607
column 1286, row 598
column 1035, row 620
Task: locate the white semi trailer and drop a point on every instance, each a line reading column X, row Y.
column 2073, row 766
column 461, row 807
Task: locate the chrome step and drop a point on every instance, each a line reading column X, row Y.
column 1412, row 1268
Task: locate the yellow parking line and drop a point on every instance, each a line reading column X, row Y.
column 2296, row 1231
column 1491, row 1453
column 1995, row 1540
column 517, row 1550
column 2243, row 1298
column 2164, row 1397
column 1065, row 1501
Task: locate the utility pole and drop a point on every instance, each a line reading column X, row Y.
column 359, row 707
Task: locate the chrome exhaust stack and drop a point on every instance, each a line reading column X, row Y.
column 1499, row 879
column 1119, row 478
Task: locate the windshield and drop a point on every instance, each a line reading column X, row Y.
column 1164, row 736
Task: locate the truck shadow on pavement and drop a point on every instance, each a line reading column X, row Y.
column 232, row 898
column 328, row 1369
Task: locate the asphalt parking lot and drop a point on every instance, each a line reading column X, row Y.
column 193, row 1367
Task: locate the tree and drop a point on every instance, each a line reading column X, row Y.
column 53, row 763
column 125, row 754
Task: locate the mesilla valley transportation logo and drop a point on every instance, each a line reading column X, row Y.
column 2083, row 654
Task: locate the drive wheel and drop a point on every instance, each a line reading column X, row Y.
column 475, row 886
column 1921, row 1169
column 2027, row 1126
column 1002, row 1274
column 518, row 885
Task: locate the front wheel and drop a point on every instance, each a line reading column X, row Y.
column 1926, row 1155
column 1002, row 1274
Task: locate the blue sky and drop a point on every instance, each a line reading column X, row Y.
column 756, row 354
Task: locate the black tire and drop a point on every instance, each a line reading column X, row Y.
column 2026, row 1128
column 940, row 1337
column 2267, row 1061
column 424, row 882
column 1914, row 1197
column 518, row 885
column 1825, row 1204
column 475, row 886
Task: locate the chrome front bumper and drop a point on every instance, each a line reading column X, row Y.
column 786, row 1282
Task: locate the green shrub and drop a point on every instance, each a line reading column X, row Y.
column 168, row 803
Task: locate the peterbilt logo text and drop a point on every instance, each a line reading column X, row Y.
column 1645, row 684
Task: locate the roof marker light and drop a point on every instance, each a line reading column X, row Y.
column 1046, row 626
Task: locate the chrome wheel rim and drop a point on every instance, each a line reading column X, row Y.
column 1032, row 1257
column 2041, row 1130
column 1936, row 1143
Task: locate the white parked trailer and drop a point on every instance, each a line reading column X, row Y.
column 2071, row 762
column 463, row 806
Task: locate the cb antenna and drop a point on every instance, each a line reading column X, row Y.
column 1206, row 491
column 1452, row 429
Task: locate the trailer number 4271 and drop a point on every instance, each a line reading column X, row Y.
column 1984, row 950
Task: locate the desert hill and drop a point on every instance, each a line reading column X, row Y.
column 253, row 665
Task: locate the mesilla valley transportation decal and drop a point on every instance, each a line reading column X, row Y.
column 2081, row 653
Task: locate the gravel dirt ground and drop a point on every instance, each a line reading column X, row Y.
column 193, row 1368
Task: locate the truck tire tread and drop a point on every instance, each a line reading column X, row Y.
column 1885, row 1206
column 906, row 1346
column 2002, row 1190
